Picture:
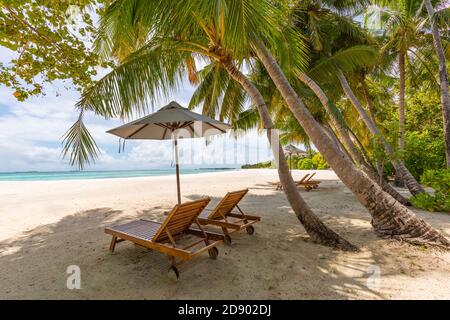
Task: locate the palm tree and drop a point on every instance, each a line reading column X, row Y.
column 207, row 92
column 331, row 33
column 353, row 151
column 402, row 27
column 328, row 31
column 180, row 33
column 403, row 172
column 389, row 217
column 250, row 25
column 443, row 77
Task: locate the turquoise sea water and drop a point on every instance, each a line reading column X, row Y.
column 78, row 175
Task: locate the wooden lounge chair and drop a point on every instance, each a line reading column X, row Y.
column 162, row 236
column 223, row 216
column 310, row 184
column 297, row 183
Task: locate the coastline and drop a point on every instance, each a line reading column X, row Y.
column 103, row 174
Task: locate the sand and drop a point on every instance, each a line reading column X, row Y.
column 45, row 227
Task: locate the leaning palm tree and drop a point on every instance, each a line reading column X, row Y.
column 252, row 28
column 180, row 34
column 330, row 35
column 209, row 95
column 389, row 217
column 402, row 27
column 443, row 76
column 338, row 43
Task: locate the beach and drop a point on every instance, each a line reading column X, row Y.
column 47, row 226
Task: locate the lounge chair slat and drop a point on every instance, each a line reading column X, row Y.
column 141, row 229
column 195, row 208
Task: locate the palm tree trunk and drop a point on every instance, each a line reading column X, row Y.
column 332, row 134
column 367, row 98
column 313, row 225
column 443, row 77
column 389, row 217
column 411, row 182
column 347, row 141
column 401, row 115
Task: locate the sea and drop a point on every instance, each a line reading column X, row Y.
column 107, row 174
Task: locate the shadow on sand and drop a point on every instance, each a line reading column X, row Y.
column 277, row 262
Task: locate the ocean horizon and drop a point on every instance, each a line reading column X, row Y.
column 98, row 174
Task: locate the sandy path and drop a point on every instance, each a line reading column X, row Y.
column 47, row 226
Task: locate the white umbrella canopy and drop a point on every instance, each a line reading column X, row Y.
column 171, row 122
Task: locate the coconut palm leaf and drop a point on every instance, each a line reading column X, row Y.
column 347, row 60
column 79, row 144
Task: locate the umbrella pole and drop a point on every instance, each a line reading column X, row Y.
column 177, row 167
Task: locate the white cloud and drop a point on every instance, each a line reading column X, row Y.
column 31, row 131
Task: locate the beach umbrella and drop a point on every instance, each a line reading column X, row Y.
column 171, row 122
column 293, row 150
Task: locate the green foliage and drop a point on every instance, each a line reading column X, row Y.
column 423, row 151
column 305, row 164
column 346, row 60
column 439, row 180
column 319, row 162
column 431, row 203
column 292, row 161
column 50, row 39
column 261, row 165
column 316, row 162
column 424, row 148
column 424, row 143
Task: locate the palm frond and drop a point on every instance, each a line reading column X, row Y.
column 246, row 120
column 442, row 18
column 347, row 60
column 79, row 144
column 140, row 81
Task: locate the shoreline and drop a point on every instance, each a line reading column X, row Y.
column 124, row 177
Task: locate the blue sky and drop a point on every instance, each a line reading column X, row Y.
column 31, row 131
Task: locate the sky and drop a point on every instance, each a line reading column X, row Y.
column 31, row 131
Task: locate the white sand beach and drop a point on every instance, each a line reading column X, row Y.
column 46, row 226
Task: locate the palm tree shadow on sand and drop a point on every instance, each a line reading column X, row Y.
column 277, row 262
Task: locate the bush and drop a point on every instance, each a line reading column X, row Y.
column 294, row 161
column 305, row 164
column 439, row 180
column 424, row 151
column 319, row 162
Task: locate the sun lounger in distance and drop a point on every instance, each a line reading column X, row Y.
column 309, row 184
column 297, row 183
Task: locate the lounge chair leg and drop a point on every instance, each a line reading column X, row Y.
column 226, row 236
column 173, row 272
column 112, row 246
